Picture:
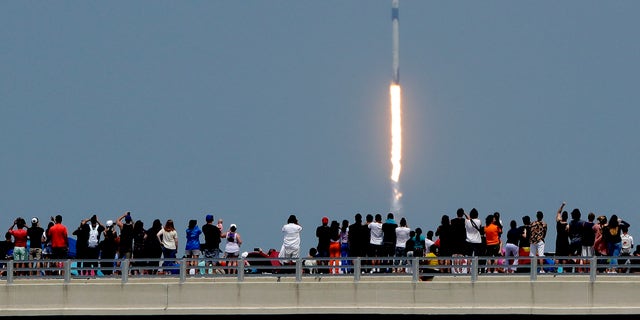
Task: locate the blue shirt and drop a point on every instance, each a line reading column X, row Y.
column 193, row 238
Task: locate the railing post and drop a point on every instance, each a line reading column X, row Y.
column 593, row 268
column 240, row 268
column 533, row 262
column 415, row 269
column 474, row 268
column 9, row 271
column 298, row 269
column 183, row 270
column 124, row 270
column 357, row 269
column 67, row 270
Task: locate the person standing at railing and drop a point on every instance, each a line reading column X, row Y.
column 20, row 244
column 444, row 232
column 153, row 247
column 492, row 233
column 402, row 235
column 536, row 241
column 211, row 246
column 59, row 241
column 126, row 235
column 108, row 248
column 612, row 234
column 36, row 239
column 389, row 240
column 458, row 244
column 139, row 235
column 334, row 247
column 575, row 235
column 588, row 239
column 599, row 245
column 511, row 247
column 626, row 247
column 82, row 245
column 474, row 229
column 358, row 237
column 168, row 238
column 323, row 233
column 232, row 248
column 375, row 242
column 562, row 236
column 46, row 249
column 6, row 252
column 192, row 246
column 94, row 230
column 290, row 249
column 344, row 246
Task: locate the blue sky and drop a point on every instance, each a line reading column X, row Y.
column 254, row 110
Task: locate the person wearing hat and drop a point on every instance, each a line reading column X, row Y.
column 108, row 248
column 323, row 233
column 291, row 243
column 36, row 238
column 211, row 246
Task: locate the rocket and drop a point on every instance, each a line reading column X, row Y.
column 395, row 21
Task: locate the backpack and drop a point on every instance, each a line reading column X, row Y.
column 626, row 243
column 93, row 236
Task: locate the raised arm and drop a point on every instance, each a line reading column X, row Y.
column 559, row 214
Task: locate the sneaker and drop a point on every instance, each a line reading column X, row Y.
column 542, row 271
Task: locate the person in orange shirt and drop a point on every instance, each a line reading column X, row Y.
column 492, row 234
column 59, row 240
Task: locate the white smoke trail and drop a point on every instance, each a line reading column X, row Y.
column 396, row 146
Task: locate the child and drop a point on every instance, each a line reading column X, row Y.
column 310, row 262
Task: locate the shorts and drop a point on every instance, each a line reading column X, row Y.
column 19, row 253
column 289, row 254
column 194, row 252
column 59, row 253
column 231, row 254
column 211, row 253
column 35, row 253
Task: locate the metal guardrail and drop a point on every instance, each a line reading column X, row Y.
column 415, row 268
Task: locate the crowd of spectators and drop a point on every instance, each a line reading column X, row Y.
column 386, row 244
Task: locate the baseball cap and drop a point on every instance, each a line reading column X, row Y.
column 109, row 223
column 233, row 225
column 209, row 217
column 34, row 220
column 127, row 218
column 325, row 220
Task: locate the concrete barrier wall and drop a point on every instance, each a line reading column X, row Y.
column 445, row 295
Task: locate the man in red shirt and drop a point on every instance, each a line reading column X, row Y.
column 59, row 239
column 20, row 243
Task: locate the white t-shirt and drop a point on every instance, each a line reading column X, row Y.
column 376, row 233
column 291, row 233
column 168, row 239
column 473, row 235
column 402, row 235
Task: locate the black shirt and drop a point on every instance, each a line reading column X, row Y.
column 211, row 237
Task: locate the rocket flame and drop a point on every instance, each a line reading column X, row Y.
column 396, row 144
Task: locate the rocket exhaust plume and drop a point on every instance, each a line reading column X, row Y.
column 396, row 112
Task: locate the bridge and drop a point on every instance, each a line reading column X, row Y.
column 296, row 292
